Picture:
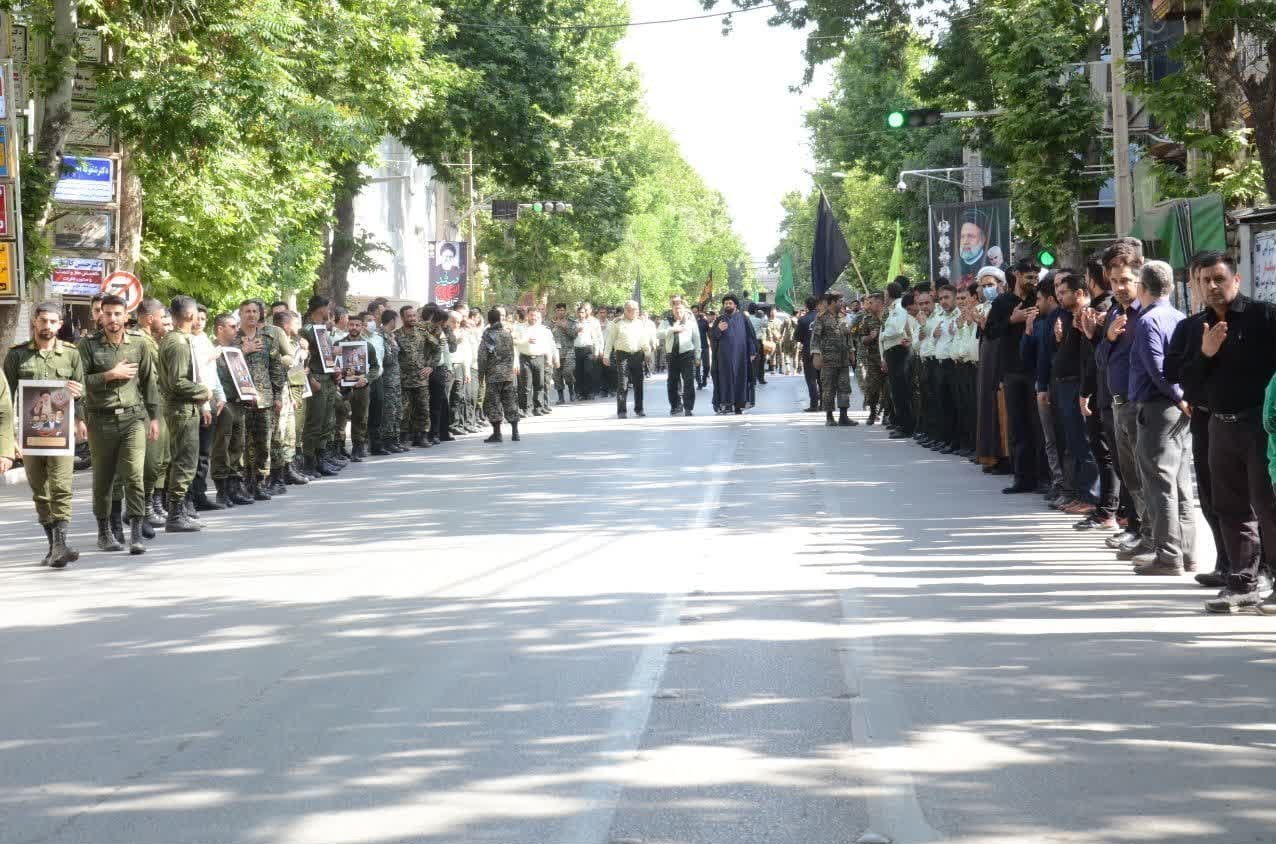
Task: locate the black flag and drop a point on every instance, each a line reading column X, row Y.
column 830, row 254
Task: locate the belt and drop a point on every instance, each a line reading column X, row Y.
column 1242, row 416
column 1068, row 379
column 115, row 411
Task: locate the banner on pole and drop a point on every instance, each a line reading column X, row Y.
column 967, row 236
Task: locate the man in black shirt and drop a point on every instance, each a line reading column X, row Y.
column 1073, row 294
column 1096, row 403
column 803, row 336
column 1005, row 325
column 1237, row 359
column 1184, row 344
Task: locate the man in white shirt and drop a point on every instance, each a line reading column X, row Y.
column 589, row 347
column 629, row 338
column 536, row 349
column 963, row 387
column 205, row 356
column 895, row 344
column 679, row 336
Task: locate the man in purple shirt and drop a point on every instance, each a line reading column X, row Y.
column 1122, row 263
column 1163, row 431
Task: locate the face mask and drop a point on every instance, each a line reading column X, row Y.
column 990, row 293
column 972, row 254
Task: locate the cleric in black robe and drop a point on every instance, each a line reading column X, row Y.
column 735, row 346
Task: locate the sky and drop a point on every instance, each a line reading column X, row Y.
column 727, row 101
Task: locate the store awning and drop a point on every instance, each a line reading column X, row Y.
column 1177, row 229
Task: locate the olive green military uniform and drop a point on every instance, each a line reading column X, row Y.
column 116, row 413
column 49, row 477
column 269, row 377
column 831, row 340
column 6, row 420
column 322, row 404
column 292, row 422
column 872, row 380
column 416, row 345
column 227, row 459
column 496, row 360
column 183, row 394
column 157, row 452
column 359, row 398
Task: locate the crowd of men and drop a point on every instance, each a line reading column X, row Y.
column 176, row 427
column 1090, row 387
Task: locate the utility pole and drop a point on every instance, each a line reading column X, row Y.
column 1120, row 123
column 470, row 233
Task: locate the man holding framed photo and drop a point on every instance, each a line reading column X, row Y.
column 46, row 358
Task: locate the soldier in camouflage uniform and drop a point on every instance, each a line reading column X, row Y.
column 46, row 358
column 290, row 425
column 281, row 406
column 564, row 331
column 184, row 393
column 831, row 354
column 321, row 406
column 867, row 332
column 391, row 390
column 414, row 381
column 360, row 397
column 498, row 367
column 266, row 363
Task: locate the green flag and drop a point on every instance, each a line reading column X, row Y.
column 784, row 291
column 897, row 256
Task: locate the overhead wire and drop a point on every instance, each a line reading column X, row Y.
column 584, row 26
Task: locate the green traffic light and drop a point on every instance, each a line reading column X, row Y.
column 895, row 119
column 1046, row 258
column 537, row 207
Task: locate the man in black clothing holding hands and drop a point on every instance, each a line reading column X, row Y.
column 1005, row 324
column 803, row 336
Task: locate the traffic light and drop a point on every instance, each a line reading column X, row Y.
column 1046, row 257
column 550, row 207
column 504, row 209
column 916, row 118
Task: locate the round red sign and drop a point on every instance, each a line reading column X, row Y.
column 125, row 285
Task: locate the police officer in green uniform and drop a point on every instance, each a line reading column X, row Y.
column 121, row 404
column 46, row 358
column 226, row 463
column 183, row 393
column 153, row 321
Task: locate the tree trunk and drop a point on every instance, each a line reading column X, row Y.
column 334, row 275
column 130, row 221
column 1226, row 114
column 1260, row 92
column 55, row 121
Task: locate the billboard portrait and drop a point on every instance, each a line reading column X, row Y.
column 448, row 273
column 968, row 236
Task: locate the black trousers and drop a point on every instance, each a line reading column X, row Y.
column 1103, row 447
column 901, row 382
column 812, row 376
column 1025, row 424
column 702, row 368
column 532, row 383
column 629, row 370
column 682, row 381
column 440, row 407
column 962, row 391
column 1242, row 493
column 1200, row 428
column 1125, row 503
column 585, row 378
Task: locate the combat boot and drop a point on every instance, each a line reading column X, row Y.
column 62, row 553
column 117, row 523
column 829, row 421
column 255, row 488
column 237, row 493
column 336, row 457
column 105, row 541
column 496, row 434
column 136, row 535
column 277, row 485
column 358, row 453
column 560, row 397
column 223, row 498
column 378, row 448
column 514, row 430
column 178, row 521
column 872, row 415
column 290, row 475
column 48, row 555
column 157, row 501
column 152, row 516
column 188, row 507
column 325, row 463
column 845, row 420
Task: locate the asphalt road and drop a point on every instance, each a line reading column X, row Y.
column 740, row 629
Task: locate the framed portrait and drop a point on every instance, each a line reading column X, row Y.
column 240, row 374
column 327, row 354
column 354, row 362
column 46, row 419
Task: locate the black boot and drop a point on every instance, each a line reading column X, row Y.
column 290, row 475
column 829, row 420
column 48, row 555
column 496, row 434
column 358, row 453
column 277, row 485
column 204, row 504
column 238, row 495
column 157, row 501
column 223, row 498
column 336, row 458
column 188, row 507
column 560, row 397
column 845, row 420
column 62, row 553
column 117, row 523
column 514, row 430
column 333, row 461
column 323, row 467
column 255, row 489
column 378, row 448
column 137, row 532
column 105, row 541
column 177, row 521
column 154, row 517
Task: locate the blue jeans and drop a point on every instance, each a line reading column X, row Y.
column 1085, row 471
